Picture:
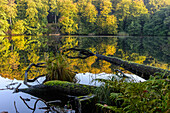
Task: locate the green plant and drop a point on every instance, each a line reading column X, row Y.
column 150, row 96
column 58, row 69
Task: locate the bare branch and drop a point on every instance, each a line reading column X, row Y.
column 15, row 107
column 27, row 70
column 26, row 103
column 87, row 53
column 16, row 89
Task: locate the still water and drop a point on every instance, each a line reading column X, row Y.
column 17, row 52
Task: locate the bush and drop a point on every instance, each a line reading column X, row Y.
column 150, row 96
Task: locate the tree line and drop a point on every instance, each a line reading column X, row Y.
column 93, row 17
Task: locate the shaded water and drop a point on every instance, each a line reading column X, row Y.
column 16, row 53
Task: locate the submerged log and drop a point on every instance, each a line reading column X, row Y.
column 141, row 70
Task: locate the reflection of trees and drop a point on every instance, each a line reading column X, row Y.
column 151, row 50
column 105, row 46
column 18, row 52
column 15, row 55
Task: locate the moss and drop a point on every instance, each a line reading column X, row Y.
column 71, row 87
column 56, row 82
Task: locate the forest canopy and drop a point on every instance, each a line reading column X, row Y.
column 82, row 17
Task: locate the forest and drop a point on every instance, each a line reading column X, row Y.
column 85, row 17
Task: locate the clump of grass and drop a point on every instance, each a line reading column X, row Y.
column 58, row 69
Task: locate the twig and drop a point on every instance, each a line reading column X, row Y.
column 26, row 103
column 35, row 104
column 55, row 101
column 32, row 80
column 16, row 89
column 26, row 73
column 8, row 86
column 15, row 107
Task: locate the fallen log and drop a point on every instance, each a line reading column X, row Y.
column 141, row 70
column 58, row 87
column 82, row 95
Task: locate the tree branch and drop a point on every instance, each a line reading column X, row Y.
column 141, row 70
column 27, row 70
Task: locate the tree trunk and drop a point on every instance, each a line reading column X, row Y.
column 141, row 70
column 58, row 87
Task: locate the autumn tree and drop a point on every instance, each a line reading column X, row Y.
column 68, row 16
column 4, row 25
column 87, row 17
column 107, row 23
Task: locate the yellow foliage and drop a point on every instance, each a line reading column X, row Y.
column 19, row 27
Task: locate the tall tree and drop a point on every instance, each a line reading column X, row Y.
column 107, row 24
column 68, row 12
column 87, row 17
column 158, row 23
column 128, row 11
column 4, row 25
column 154, row 5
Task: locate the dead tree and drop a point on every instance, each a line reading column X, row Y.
column 141, row 70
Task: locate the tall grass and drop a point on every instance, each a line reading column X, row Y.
column 58, row 69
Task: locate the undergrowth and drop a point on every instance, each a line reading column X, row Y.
column 150, row 96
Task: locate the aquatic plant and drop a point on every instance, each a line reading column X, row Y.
column 58, row 69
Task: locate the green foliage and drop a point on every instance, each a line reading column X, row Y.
column 155, row 5
column 57, row 69
column 31, row 17
column 158, row 23
column 150, row 96
column 134, row 28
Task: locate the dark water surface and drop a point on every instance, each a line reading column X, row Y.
column 17, row 52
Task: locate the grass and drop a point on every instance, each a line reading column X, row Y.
column 58, row 69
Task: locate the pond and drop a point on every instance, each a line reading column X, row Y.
column 17, row 52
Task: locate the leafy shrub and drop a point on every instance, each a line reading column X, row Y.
column 150, row 96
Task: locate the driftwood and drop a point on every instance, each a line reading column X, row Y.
column 48, row 107
column 79, row 94
column 27, row 70
column 141, row 70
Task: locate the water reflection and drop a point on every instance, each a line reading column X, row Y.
column 17, row 52
column 7, row 98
